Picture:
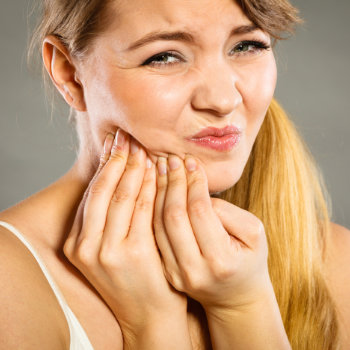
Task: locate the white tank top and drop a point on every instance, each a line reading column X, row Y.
column 78, row 337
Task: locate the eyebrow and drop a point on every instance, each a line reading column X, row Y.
column 183, row 36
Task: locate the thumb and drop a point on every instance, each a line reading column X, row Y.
column 239, row 223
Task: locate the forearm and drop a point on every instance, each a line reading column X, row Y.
column 168, row 333
column 251, row 328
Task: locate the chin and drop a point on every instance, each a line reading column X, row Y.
column 221, row 182
column 217, row 188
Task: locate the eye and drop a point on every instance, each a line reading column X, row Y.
column 250, row 47
column 163, row 59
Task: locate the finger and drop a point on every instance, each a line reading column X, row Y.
column 123, row 201
column 176, row 220
column 102, row 188
column 142, row 219
column 107, row 148
column 209, row 231
column 239, row 223
column 78, row 221
column 170, row 264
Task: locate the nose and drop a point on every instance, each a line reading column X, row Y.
column 216, row 90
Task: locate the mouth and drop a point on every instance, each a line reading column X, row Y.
column 221, row 140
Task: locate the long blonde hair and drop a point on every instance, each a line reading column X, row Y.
column 280, row 183
column 282, row 186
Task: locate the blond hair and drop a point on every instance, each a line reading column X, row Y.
column 282, row 186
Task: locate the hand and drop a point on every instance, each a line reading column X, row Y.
column 212, row 250
column 112, row 241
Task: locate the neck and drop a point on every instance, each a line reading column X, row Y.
column 48, row 215
column 65, row 195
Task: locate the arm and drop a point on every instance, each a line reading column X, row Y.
column 337, row 269
column 219, row 258
column 169, row 332
column 30, row 316
column 253, row 328
column 112, row 244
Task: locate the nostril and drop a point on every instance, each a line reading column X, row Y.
column 216, row 102
column 216, row 92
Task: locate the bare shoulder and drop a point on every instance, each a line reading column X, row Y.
column 339, row 249
column 340, row 233
column 338, row 276
column 30, row 316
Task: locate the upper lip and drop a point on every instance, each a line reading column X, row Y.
column 212, row 131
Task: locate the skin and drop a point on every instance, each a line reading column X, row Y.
column 206, row 254
column 209, row 86
column 122, row 214
column 203, row 253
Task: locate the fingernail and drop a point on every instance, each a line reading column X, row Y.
column 119, row 140
column 149, row 163
column 191, row 164
column 161, row 165
column 134, row 147
column 108, row 144
column 174, row 162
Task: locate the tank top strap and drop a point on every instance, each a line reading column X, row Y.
column 78, row 337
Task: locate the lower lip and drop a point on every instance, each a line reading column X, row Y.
column 222, row 144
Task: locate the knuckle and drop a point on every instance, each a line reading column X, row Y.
column 198, row 207
column 133, row 164
column 256, row 229
column 148, row 181
column 176, row 180
column 174, row 213
column 68, row 248
column 174, row 279
column 193, row 281
column 120, row 196
column 196, row 177
column 97, row 187
column 158, row 224
column 84, row 253
column 220, row 269
column 117, row 156
column 107, row 257
column 161, row 185
column 144, row 204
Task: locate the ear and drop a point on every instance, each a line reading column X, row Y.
column 62, row 71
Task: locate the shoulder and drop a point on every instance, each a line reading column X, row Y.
column 29, row 311
column 340, row 231
column 337, row 265
column 339, row 246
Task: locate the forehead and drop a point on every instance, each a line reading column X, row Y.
column 141, row 16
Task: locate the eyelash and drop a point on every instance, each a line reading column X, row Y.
column 152, row 61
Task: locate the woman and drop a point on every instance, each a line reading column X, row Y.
column 174, row 108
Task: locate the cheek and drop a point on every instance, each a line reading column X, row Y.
column 147, row 107
column 257, row 88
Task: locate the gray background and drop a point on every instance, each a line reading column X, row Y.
column 36, row 147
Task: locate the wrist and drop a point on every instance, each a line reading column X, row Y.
column 158, row 332
column 243, row 303
column 250, row 325
column 145, row 314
